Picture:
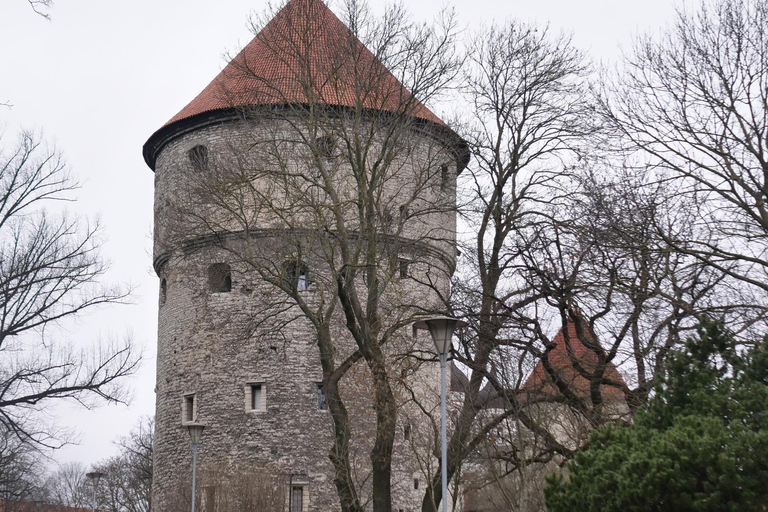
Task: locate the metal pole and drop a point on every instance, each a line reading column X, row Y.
column 444, row 462
column 93, row 502
column 194, row 473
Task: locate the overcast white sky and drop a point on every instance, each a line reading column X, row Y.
column 103, row 75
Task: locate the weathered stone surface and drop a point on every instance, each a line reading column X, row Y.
column 209, row 345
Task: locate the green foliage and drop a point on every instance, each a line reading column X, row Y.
column 700, row 445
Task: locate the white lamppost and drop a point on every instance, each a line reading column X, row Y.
column 195, row 432
column 441, row 328
column 94, row 476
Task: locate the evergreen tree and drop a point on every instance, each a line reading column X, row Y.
column 701, row 444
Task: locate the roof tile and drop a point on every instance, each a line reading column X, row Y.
column 306, row 54
column 540, row 385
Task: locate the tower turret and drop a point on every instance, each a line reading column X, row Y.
column 303, row 180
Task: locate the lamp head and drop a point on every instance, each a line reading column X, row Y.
column 195, row 432
column 95, row 476
column 441, row 328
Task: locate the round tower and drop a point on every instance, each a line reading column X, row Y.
column 257, row 195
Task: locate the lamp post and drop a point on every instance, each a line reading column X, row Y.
column 441, row 328
column 195, row 432
column 94, row 476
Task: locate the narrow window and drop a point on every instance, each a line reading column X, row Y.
column 322, row 401
column 302, row 282
column 257, row 399
column 404, row 268
column 297, row 275
column 325, row 146
column 189, row 408
column 198, row 157
column 219, row 278
column 297, row 498
column 416, row 483
column 209, row 498
column 406, row 432
column 163, row 291
column 444, row 178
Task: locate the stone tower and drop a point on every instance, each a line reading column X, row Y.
column 236, row 353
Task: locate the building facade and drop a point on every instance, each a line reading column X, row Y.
column 257, row 195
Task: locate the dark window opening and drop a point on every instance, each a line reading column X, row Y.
column 198, row 157
column 209, row 499
column 404, row 264
column 256, row 397
column 297, row 276
column 444, row 177
column 322, row 401
column 163, row 291
column 220, row 278
column 189, row 408
column 406, row 432
column 416, row 483
column 297, row 498
column 325, row 145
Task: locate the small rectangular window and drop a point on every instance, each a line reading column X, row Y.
column 220, row 278
column 209, row 499
column 416, row 483
column 189, row 412
column 404, row 264
column 322, row 401
column 297, row 498
column 303, row 281
column 255, row 394
column 406, row 431
column 444, row 178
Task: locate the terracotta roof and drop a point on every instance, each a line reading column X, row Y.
column 305, row 51
column 540, row 385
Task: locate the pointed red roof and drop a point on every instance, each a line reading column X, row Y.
column 305, row 52
column 540, row 385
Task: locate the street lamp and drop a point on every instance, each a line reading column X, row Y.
column 441, row 328
column 195, row 432
column 94, row 476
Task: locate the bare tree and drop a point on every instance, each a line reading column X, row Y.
column 692, row 104
column 68, row 486
column 127, row 482
column 41, row 7
column 569, row 242
column 20, row 468
column 525, row 87
column 49, row 271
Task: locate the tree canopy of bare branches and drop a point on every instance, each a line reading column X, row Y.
column 49, row 271
column 692, row 106
column 570, row 240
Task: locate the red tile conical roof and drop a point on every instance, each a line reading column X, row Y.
column 306, row 54
column 539, row 384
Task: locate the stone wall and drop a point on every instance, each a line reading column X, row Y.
column 215, row 344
